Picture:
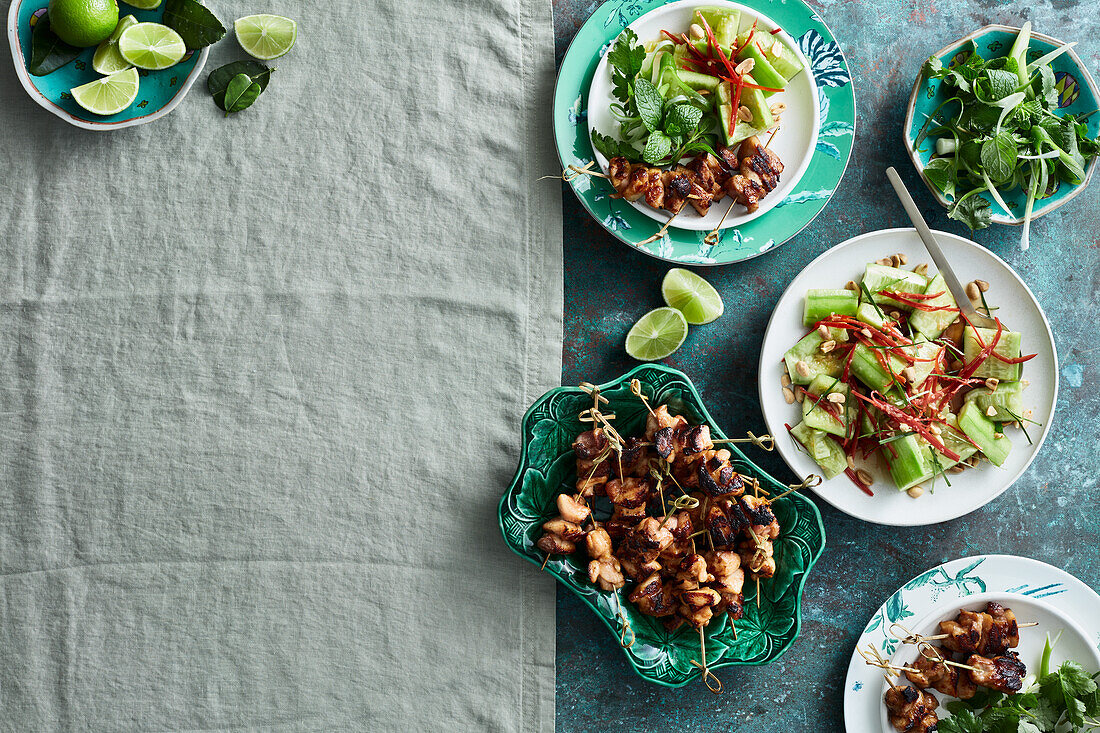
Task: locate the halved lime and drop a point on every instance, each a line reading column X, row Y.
column 107, row 59
column 143, row 4
column 151, row 46
column 657, row 334
column 109, row 95
column 266, row 36
column 691, row 295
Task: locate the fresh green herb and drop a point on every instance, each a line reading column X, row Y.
column 219, row 78
column 610, row 148
column 626, row 58
column 197, row 26
column 650, row 104
column 48, row 52
column 1066, row 699
column 240, row 94
column 657, row 148
column 1001, row 130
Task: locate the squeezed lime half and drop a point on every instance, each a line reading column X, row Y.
column 266, row 36
column 657, row 334
column 691, row 295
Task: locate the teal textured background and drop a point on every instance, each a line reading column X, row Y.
column 1046, row 515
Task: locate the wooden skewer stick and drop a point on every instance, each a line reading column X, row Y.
column 572, row 172
column 660, row 232
column 708, row 676
column 873, row 657
column 758, row 591
column 626, row 625
column 910, row 637
column 764, row 442
column 636, row 389
column 808, row 482
column 772, row 137
column 712, row 235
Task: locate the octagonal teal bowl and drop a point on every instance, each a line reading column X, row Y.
column 547, row 467
column 158, row 91
column 1077, row 94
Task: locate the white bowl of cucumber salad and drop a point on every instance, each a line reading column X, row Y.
column 796, row 132
column 902, row 387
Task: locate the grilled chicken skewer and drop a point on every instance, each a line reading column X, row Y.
column 911, row 710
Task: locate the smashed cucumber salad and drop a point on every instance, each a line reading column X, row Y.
column 890, row 366
column 695, row 89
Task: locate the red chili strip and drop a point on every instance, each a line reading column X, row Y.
column 672, row 38
column 913, row 423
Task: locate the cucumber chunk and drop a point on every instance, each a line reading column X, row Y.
column 926, row 355
column 955, row 442
column 762, row 70
column 714, row 16
column 826, row 452
column 820, row 304
column 908, row 461
column 782, row 58
column 881, row 277
column 866, row 368
column 1007, row 400
column 725, row 31
column 1008, row 346
column 870, row 314
column 933, row 323
column 741, row 131
column 820, row 414
column 698, row 81
column 808, row 349
column 982, row 431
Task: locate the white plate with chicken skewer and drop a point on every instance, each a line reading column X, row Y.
column 965, row 644
column 764, row 143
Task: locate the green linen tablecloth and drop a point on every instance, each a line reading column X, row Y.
column 260, row 388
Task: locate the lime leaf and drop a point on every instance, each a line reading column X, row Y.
column 48, row 52
column 194, row 22
column 240, row 94
column 219, row 78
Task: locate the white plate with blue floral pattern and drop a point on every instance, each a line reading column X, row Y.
column 1053, row 596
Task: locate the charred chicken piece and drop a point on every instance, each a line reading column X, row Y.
column 724, row 521
column 593, row 466
column 606, row 573
column 573, row 508
column 653, row 598
column 633, row 462
column 1004, row 673
column 661, row 418
column 942, row 677
column 647, row 540
column 758, row 174
column 911, row 710
column 729, row 580
column 630, row 493
column 717, row 477
column 677, row 188
column 679, row 524
column 697, row 606
column 989, row 633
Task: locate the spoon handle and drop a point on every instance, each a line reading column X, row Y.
column 933, row 246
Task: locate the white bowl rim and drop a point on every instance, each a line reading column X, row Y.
column 815, row 125
column 48, row 105
column 911, row 109
column 916, row 519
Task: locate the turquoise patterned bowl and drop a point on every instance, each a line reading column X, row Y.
column 548, row 467
column 829, row 155
column 158, row 92
column 1078, row 94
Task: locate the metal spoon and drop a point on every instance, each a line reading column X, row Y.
column 933, row 247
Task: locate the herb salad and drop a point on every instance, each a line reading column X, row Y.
column 1001, row 130
column 694, row 90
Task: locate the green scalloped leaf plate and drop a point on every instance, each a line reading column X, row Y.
column 837, row 119
column 547, row 467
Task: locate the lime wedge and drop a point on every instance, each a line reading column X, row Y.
column 691, row 295
column 109, row 95
column 657, row 334
column 266, row 36
column 151, row 46
column 143, row 4
column 107, row 59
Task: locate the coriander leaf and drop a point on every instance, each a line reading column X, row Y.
column 657, row 148
column 650, row 104
column 964, row 721
column 1001, row 720
column 220, row 77
column 48, row 52
column 942, row 173
column 1001, row 82
column 626, row 55
column 1075, row 680
column 972, row 210
column 933, row 67
column 194, row 22
column 1026, row 726
column 612, row 148
column 999, row 157
column 240, row 94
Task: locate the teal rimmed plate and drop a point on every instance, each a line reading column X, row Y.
column 1077, row 94
column 829, row 156
column 547, row 467
column 158, row 91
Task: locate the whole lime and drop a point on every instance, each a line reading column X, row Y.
column 83, row 22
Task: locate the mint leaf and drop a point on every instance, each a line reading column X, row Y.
column 219, row 78
column 999, row 157
column 1047, row 90
column 626, row 55
column 942, row 173
column 48, row 52
column 685, row 117
column 650, row 104
column 657, row 148
column 194, row 22
column 240, row 94
column 1001, row 83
